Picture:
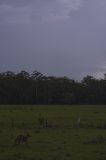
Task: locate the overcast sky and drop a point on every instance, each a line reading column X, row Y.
column 55, row 37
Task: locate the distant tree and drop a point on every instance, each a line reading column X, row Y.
column 36, row 88
column 23, row 74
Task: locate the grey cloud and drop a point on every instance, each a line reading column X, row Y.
column 11, row 12
column 56, row 37
column 16, row 2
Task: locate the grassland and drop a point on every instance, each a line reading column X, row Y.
column 57, row 132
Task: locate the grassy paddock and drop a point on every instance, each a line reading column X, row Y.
column 57, row 132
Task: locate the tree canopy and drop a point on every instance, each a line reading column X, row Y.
column 36, row 88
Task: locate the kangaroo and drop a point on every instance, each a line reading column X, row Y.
column 22, row 139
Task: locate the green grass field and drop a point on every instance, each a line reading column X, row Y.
column 57, row 132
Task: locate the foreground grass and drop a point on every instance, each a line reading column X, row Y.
column 56, row 132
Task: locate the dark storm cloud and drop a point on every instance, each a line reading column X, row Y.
column 56, row 37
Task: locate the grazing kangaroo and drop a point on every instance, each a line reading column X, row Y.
column 22, row 139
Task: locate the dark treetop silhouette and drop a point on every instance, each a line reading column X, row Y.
column 36, row 88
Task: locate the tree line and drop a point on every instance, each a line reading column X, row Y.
column 36, row 88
